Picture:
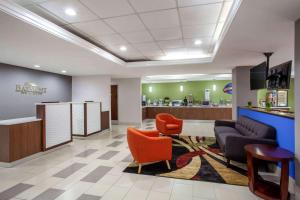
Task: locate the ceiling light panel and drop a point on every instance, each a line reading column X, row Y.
column 59, row 7
column 152, row 5
column 109, row 8
column 125, row 24
column 161, row 19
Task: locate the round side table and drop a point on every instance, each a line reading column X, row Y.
column 262, row 188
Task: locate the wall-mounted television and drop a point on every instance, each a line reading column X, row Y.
column 258, row 75
column 279, row 77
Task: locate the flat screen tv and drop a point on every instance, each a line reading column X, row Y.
column 258, row 76
column 280, row 76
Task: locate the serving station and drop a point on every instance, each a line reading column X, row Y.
column 189, row 112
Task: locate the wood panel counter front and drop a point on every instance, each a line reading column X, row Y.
column 20, row 138
column 190, row 112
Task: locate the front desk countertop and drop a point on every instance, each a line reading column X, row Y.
column 18, row 121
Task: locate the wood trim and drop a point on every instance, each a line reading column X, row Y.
column 4, row 143
column 105, row 120
column 71, row 121
column 41, row 114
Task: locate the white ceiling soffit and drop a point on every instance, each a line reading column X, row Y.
column 192, row 55
column 185, row 77
column 25, row 15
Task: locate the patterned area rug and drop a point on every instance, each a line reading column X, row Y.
column 196, row 158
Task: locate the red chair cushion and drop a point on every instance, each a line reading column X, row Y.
column 172, row 126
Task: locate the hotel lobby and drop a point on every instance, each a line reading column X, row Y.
column 149, row 100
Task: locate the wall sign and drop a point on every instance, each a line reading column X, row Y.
column 30, row 88
column 228, row 88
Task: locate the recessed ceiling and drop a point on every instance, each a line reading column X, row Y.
column 185, row 77
column 151, row 30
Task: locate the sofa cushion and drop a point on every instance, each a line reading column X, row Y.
column 252, row 128
column 225, row 129
column 172, row 126
column 222, row 138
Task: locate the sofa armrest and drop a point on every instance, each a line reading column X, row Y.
column 234, row 145
column 229, row 123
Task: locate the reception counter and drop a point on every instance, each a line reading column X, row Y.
column 57, row 124
column 189, row 112
column 86, row 118
column 19, row 138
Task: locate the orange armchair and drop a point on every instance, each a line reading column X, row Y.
column 147, row 146
column 167, row 124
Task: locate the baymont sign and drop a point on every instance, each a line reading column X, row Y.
column 30, row 88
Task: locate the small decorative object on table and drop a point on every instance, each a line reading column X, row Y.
column 262, row 188
column 268, row 106
column 249, row 104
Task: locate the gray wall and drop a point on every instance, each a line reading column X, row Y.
column 241, row 89
column 16, row 105
column 297, row 107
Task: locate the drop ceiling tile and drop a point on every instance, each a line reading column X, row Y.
column 199, row 31
column 110, row 40
column 167, row 34
column 130, row 53
column 27, row 2
column 109, row 8
column 94, row 28
column 170, row 44
column 183, row 3
column 203, row 14
column 149, row 46
column 138, row 37
column 130, row 23
column 175, row 51
column 161, row 19
column 57, row 7
column 151, row 5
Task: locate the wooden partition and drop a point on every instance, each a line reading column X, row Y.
column 20, row 138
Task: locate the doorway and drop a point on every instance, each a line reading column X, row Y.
column 114, row 102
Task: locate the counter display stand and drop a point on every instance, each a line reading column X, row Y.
column 57, row 124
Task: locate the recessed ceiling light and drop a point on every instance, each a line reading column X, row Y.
column 70, row 12
column 123, row 48
column 37, row 66
column 197, row 42
column 64, row 71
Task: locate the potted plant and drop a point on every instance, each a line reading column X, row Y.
column 268, row 106
column 249, row 104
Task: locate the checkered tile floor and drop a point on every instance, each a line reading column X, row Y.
column 91, row 169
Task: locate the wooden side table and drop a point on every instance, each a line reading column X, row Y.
column 262, row 188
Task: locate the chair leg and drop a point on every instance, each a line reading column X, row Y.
column 168, row 164
column 228, row 163
column 140, row 168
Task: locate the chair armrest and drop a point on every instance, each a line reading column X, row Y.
column 150, row 133
column 234, row 145
column 229, row 123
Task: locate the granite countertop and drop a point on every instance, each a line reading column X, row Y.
column 273, row 112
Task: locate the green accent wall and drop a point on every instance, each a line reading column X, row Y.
column 261, row 94
column 196, row 88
